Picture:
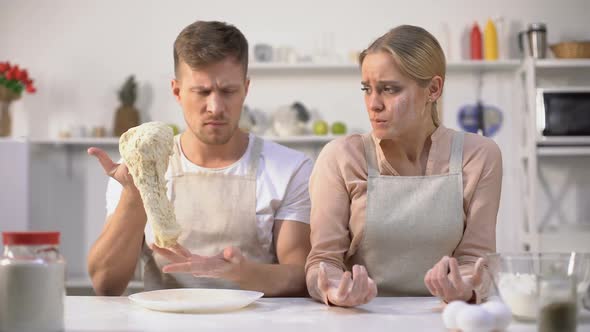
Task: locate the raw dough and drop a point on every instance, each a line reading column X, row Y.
column 146, row 150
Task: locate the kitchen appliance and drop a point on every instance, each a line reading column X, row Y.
column 533, row 41
column 563, row 114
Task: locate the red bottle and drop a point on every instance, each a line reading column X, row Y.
column 476, row 43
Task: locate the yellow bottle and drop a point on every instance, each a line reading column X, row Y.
column 490, row 37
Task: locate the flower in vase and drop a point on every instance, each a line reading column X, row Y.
column 13, row 81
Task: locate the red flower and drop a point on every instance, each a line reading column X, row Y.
column 23, row 76
column 15, row 78
column 15, row 72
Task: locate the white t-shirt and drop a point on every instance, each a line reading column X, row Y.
column 281, row 187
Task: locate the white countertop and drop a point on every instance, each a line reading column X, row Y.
column 118, row 314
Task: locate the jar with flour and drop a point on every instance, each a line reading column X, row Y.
column 32, row 282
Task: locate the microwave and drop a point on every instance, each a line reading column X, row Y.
column 563, row 112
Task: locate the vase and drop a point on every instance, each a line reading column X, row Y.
column 5, row 119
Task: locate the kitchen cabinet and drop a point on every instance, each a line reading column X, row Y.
column 14, row 208
column 268, row 68
column 555, row 170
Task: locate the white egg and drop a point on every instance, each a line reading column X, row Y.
column 501, row 312
column 474, row 318
column 449, row 315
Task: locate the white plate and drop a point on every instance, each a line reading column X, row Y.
column 195, row 299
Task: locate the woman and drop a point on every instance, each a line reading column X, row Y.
column 410, row 208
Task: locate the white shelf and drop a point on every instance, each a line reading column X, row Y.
column 563, row 140
column 12, row 139
column 555, row 151
column 352, row 68
column 544, row 196
column 483, row 65
column 114, row 141
column 83, row 141
column 271, row 67
column 563, row 63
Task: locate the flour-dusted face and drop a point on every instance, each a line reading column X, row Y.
column 396, row 104
column 212, row 99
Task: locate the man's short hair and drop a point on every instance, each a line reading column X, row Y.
column 207, row 42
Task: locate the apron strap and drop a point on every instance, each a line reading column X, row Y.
column 255, row 156
column 456, row 158
column 175, row 163
column 175, row 166
column 370, row 155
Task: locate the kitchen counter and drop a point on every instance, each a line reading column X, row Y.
column 118, row 314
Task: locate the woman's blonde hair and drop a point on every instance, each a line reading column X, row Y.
column 417, row 53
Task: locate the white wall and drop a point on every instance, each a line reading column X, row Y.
column 80, row 52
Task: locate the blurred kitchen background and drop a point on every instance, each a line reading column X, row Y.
column 80, row 53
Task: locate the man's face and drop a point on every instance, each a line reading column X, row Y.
column 211, row 99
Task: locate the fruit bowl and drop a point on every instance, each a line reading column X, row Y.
column 516, row 278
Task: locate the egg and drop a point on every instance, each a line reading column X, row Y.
column 450, row 313
column 501, row 312
column 474, row 318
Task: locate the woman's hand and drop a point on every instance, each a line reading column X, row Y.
column 352, row 289
column 445, row 281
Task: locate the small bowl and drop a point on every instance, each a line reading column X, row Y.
column 516, row 275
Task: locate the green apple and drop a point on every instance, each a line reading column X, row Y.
column 175, row 129
column 320, row 127
column 338, row 128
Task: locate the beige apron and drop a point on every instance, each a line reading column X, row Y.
column 215, row 211
column 412, row 222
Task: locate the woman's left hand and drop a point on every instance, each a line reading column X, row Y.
column 445, row 281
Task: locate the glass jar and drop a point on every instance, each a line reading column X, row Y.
column 32, row 282
column 557, row 304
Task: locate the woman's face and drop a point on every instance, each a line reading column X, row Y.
column 396, row 103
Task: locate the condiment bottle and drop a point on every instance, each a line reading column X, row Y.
column 490, row 41
column 476, row 53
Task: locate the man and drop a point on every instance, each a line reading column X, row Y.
column 242, row 202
